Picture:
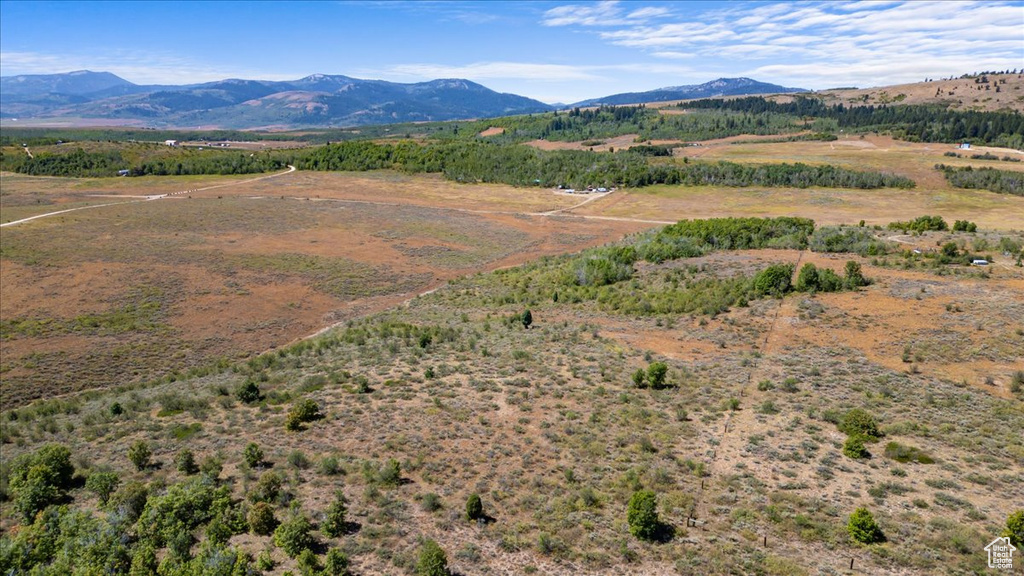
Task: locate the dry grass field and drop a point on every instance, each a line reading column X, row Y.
column 414, row 285
column 119, row 294
column 547, row 427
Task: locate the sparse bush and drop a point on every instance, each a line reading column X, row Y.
column 1015, row 528
column 211, row 467
column 302, row 412
column 474, row 507
column 308, row 563
column 391, row 473
column 267, row 488
column 854, row 448
column 139, row 454
column 858, row 422
column 334, row 518
column 252, row 455
column 261, row 519
column 293, row 535
column 102, row 484
column 185, row 461
column 336, row 563
column 863, row 528
column 642, row 515
column 329, row 466
column 1017, row 382
column 248, row 392
column 264, row 561
column 640, row 378
column 527, row 319
column 432, row 560
column 656, row 373
column 902, row 453
column 298, row 459
column 129, row 501
column 774, row 280
column 431, row 502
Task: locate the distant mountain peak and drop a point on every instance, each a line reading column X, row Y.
column 719, row 87
column 315, row 100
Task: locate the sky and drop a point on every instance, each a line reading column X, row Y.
column 552, row 51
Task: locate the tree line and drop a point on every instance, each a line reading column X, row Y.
column 80, row 163
column 999, row 181
column 523, row 166
column 924, row 123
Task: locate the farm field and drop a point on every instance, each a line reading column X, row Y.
column 828, row 206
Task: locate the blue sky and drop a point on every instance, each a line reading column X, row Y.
column 552, row 51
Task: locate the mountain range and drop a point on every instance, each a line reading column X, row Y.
column 318, row 100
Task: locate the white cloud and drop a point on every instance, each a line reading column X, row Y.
column 600, row 14
column 819, row 43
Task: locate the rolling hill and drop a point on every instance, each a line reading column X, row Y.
column 316, row 100
column 712, row 89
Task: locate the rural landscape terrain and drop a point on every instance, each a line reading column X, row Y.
column 741, row 332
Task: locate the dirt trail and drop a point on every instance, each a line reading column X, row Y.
column 146, row 198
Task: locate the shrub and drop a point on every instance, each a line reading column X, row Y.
column 102, row 484
column 336, row 563
column 863, row 528
column 902, row 453
column 774, row 280
column 308, row 563
column 40, row 479
column 129, row 501
column 248, row 392
column 1015, row 528
column 1017, row 382
column 391, row 473
column 298, row 459
column 261, row 519
column 858, row 422
column 854, row 448
column 656, row 373
column 854, row 276
column 334, row 519
column 186, row 462
column 267, row 488
column 33, row 492
column 139, row 454
column 252, row 455
column 431, row 502
column 432, row 560
column 304, row 411
column 329, row 466
column 474, row 507
column 642, row 515
column 211, row 467
column 640, row 378
column 527, row 318
column 293, row 536
column 265, row 561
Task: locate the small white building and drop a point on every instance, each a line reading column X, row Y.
column 171, row 142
